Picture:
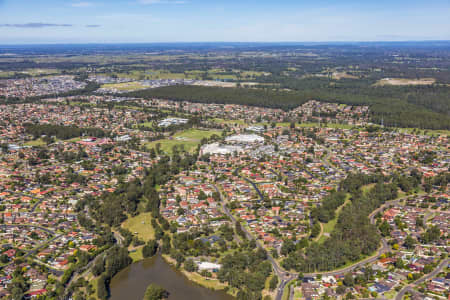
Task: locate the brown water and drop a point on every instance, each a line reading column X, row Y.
column 131, row 283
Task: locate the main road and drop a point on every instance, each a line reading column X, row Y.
column 286, row 277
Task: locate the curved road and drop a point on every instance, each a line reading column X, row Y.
column 286, row 277
column 421, row 280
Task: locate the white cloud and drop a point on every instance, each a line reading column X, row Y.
column 82, row 4
column 162, row 1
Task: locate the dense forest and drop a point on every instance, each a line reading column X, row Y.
column 62, row 132
column 399, row 107
column 353, row 236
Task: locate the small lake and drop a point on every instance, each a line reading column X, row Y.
column 131, row 283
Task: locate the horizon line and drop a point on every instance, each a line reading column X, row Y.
column 225, row 42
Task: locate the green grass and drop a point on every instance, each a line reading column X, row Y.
column 143, row 231
column 146, row 124
column 35, row 143
column 286, row 291
column 391, row 294
column 210, row 283
column 425, row 132
column 298, row 294
column 197, row 134
column 329, row 227
column 137, row 255
column 94, row 285
column 188, row 139
column 74, row 140
column 7, row 73
column 193, row 74
column 125, row 86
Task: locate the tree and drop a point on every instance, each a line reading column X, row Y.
column 273, row 282
column 385, row 228
column 399, row 263
column 150, row 249
column 17, row 293
column 315, row 230
column 102, row 292
column 348, row 279
column 341, row 289
column 431, row 235
column 190, row 266
column 98, row 267
column 4, row 258
column 428, row 268
column 155, row 292
column 409, row 242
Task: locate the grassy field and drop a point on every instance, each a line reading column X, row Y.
column 31, row 72
column 7, row 73
column 74, row 140
column 40, row 142
column 125, row 86
column 391, row 294
column 137, row 255
column 298, row 294
column 140, row 226
column 425, row 132
column 35, row 143
column 189, row 139
column 214, row 74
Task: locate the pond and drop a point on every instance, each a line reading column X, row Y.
column 131, row 283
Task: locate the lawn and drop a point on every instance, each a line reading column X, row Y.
column 286, row 291
column 298, row 294
column 210, row 283
column 137, row 254
column 425, row 132
column 167, row 145
column 391, row 294
column 74, row 140
column 140, row 226
column 146, row 124
column 196, row 134
column 188, row 139
column 126, row 86
column 35, row 143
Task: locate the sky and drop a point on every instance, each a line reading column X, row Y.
column 148, row 21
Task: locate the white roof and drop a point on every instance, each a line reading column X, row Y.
column 245, row 138
column 204, row 265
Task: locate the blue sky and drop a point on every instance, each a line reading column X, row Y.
column 113, row 21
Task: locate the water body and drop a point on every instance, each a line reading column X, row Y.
column 131, row 283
